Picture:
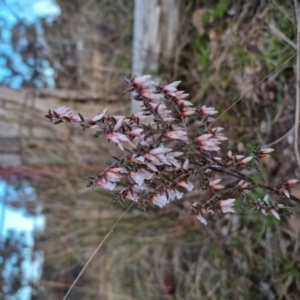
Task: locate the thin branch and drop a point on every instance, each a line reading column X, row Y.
column 280, row 139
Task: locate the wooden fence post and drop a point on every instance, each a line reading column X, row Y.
column 155, row 27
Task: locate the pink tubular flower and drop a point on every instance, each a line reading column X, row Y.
column 163, row 155
column 136, row 132
column 186, row 164
column 227, row 205
column 99, row 116
column 63, row 112
column 131, row 196
column 239, row 159
column 285, row 191
column 159, row 154
column 275, row 213
column 265, row 206
column 177, row 134
column 216, row 132
column 186, row 111
column 140, row 117
column 230, row 156
column 262, row 153
column 151, row 167
column 153, row 98
column 132, row 192
column 179, row 99
column 110, row 177
column 286, row 187
column 170, row 88
column 118, row 138
column 207, row 111
column 245, row 160
column 266, row 150
column 186, row 184
column 159, row 200
column 140, row 176
column 292, row 181
column 142, row 81
column 172, row 160
column 113, row 174
column 119, row 123
column 201, row 219
column 75, row 119
column 242, row 184
column 242, row 187
column 207, row 142
column 164, row 113
column 102, row 182
column 214, row 184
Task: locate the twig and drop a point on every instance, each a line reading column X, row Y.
column 297, row 10
column 97, row 249
column 281, row 138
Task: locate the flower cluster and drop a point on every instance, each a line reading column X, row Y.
column 174, row 151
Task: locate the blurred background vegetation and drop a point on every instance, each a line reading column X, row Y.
column 78, row 59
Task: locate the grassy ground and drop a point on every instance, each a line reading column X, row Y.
column 224, row 48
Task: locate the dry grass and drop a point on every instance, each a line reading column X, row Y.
column 225, row 48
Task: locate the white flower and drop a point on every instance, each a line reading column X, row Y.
column 266, row 150
column 214, row 184
column 201, row 219
column 275, row 214
column 226, row 205
column 186, row 165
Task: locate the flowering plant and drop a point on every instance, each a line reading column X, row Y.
column 173, row 147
